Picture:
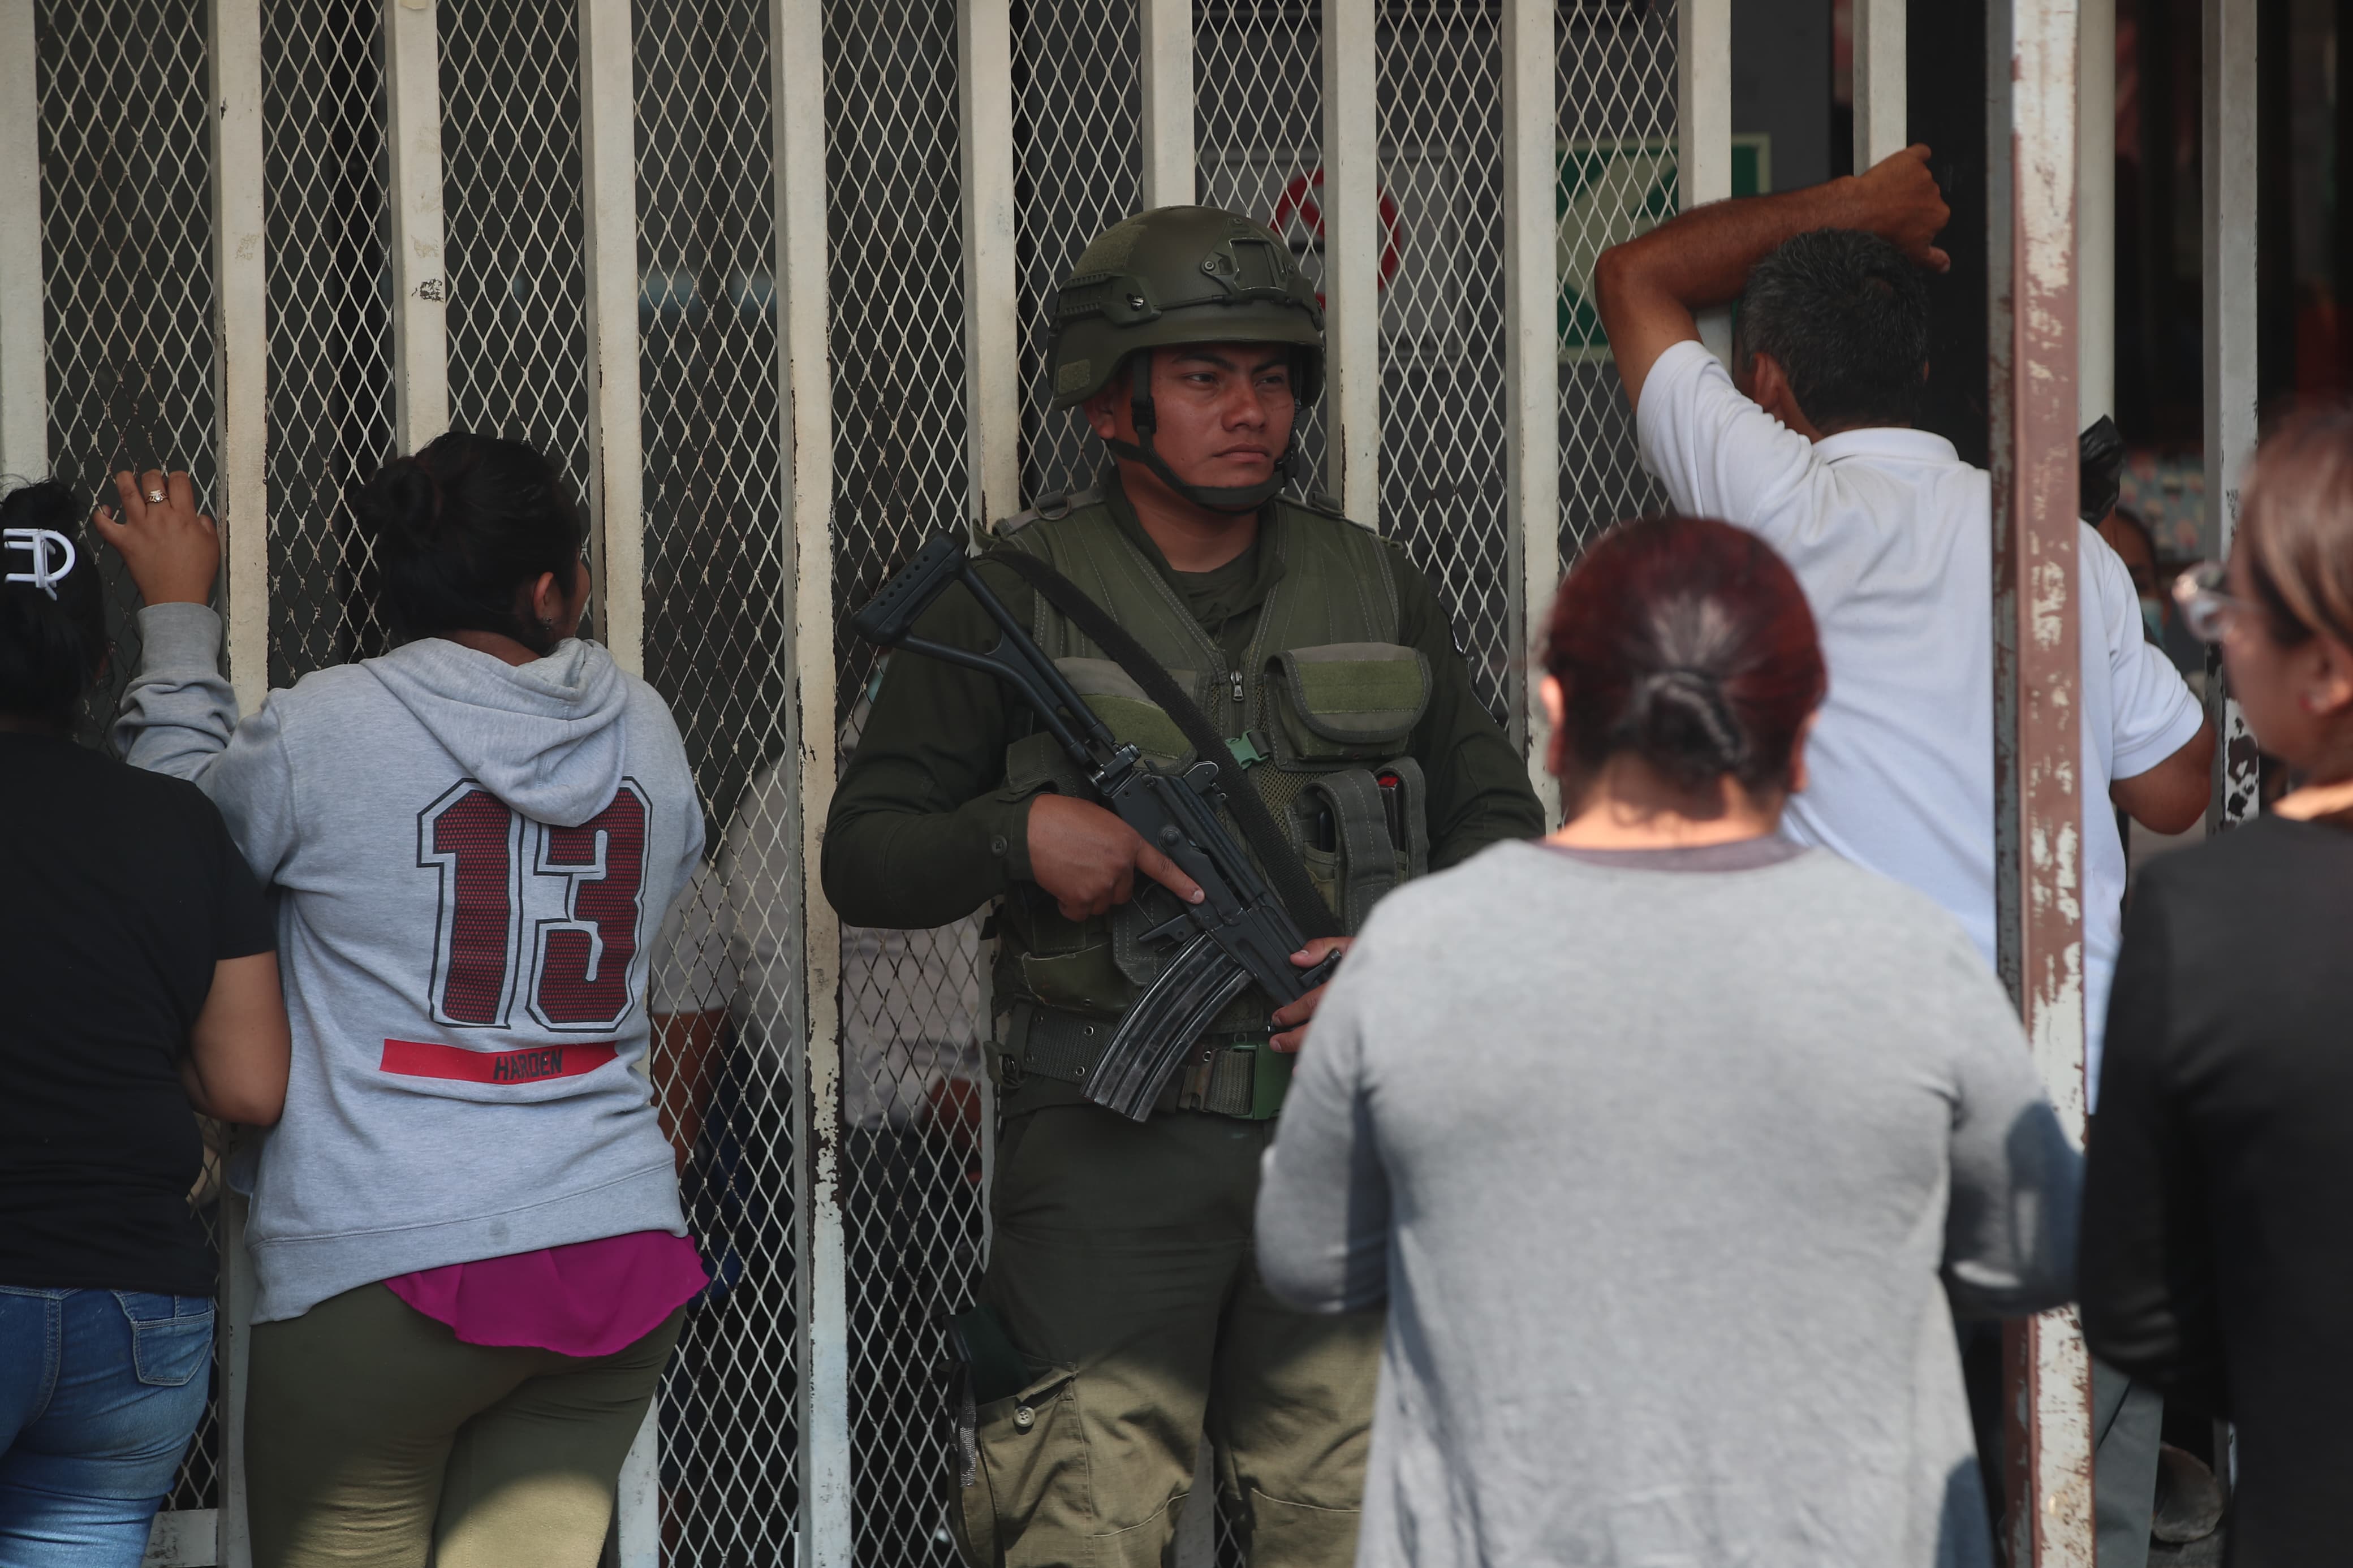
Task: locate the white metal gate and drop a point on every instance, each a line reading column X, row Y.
column 768, row 278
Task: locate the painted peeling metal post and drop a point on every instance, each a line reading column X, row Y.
column 2228, row 106
column 420, row 280
column 1532, row 353
column 609, row 182
column 2038, row 801
column 805, row 382
column 1704, row 127
column 1352, row 260
column 24, row 351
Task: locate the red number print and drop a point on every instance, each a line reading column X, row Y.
column 581, row 972
column 469, row 836
column 580, row 961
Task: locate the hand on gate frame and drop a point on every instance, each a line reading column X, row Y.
column 173, row 549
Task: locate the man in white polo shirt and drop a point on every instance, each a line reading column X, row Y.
column 1808, row 442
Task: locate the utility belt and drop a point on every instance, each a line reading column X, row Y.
column 1236, row 1075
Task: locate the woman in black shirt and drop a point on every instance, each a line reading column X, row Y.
column 138, row 984
column 2217, row 1249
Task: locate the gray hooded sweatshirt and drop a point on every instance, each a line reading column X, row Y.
column 473, row 858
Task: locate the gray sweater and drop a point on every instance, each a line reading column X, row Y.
column 1659, row 1160
column 473, row 858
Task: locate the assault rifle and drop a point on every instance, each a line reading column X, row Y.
column 1239, row 932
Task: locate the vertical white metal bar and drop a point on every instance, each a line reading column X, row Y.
column 2037, row 753
column 1353, row 242
column 420, row 286
column 240, row 368
column 1880, row 94
column 24, row 366
column 797, row 55
column 637, row 1501
column 1704, row 127
column 1169, row 164
column 1532, row 350
column 233, row 1355
column 992, row 329
column 609, row 178
column 2228, row 106
column 2095, row 213
column 991, row 342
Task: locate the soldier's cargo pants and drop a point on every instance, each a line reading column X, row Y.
column 1122, row 1271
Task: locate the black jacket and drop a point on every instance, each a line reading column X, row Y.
column 2217, row 1254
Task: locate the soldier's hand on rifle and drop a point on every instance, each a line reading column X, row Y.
column 1087, row 858
column 1297, row 1014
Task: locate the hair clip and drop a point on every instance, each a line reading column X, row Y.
column 35, row 541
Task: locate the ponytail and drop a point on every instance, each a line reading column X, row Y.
column 456, row 531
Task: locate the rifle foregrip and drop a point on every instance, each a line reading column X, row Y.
column 891, row 612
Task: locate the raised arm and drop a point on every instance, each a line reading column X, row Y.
column 179, row 716
column 1650, row 287
column 177, row 713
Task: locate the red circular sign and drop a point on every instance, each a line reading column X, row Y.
column 1301, row 199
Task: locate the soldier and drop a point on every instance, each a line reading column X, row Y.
column 1120, row 1313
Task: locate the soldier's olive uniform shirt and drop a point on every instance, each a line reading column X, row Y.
column 923, row 830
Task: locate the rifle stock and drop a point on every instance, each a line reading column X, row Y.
column 1241, row 933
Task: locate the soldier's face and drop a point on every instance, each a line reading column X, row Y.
column 1224, row 411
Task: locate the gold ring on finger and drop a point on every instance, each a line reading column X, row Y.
column 154, row 497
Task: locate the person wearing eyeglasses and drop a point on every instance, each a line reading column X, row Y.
column 2216, row 1258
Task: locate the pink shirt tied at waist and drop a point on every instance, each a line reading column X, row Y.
column 590, row 1298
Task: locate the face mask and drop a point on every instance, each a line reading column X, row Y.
column 2152, row 618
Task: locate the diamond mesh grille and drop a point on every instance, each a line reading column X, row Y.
column 1615, row 95
column 330, row 343
column 911, row 1211
column 718, row 601
column 1442, row 465
column 1077, row 138
column 1257, row 123
column 511, row 191
column 126, row 263
column 126, row 231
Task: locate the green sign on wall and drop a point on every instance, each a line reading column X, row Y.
column 1611, row 191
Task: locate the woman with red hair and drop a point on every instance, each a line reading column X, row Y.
column 1665, row 1138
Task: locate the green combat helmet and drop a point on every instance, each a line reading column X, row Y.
column 1183, row 274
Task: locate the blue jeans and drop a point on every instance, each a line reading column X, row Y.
column 99, row 1392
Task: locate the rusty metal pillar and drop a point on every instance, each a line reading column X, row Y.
column 2038, row 757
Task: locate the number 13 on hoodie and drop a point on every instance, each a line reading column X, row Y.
column 577, row 892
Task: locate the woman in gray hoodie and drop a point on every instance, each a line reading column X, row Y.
column 471, row 1261
column 1665, row 1140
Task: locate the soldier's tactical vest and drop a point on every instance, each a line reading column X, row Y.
column 1319, row 712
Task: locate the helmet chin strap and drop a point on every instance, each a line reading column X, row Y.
column 1236, row 499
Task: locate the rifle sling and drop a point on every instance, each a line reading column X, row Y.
column 1276, row 855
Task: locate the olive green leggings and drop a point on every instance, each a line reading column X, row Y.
column 373, row 1436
